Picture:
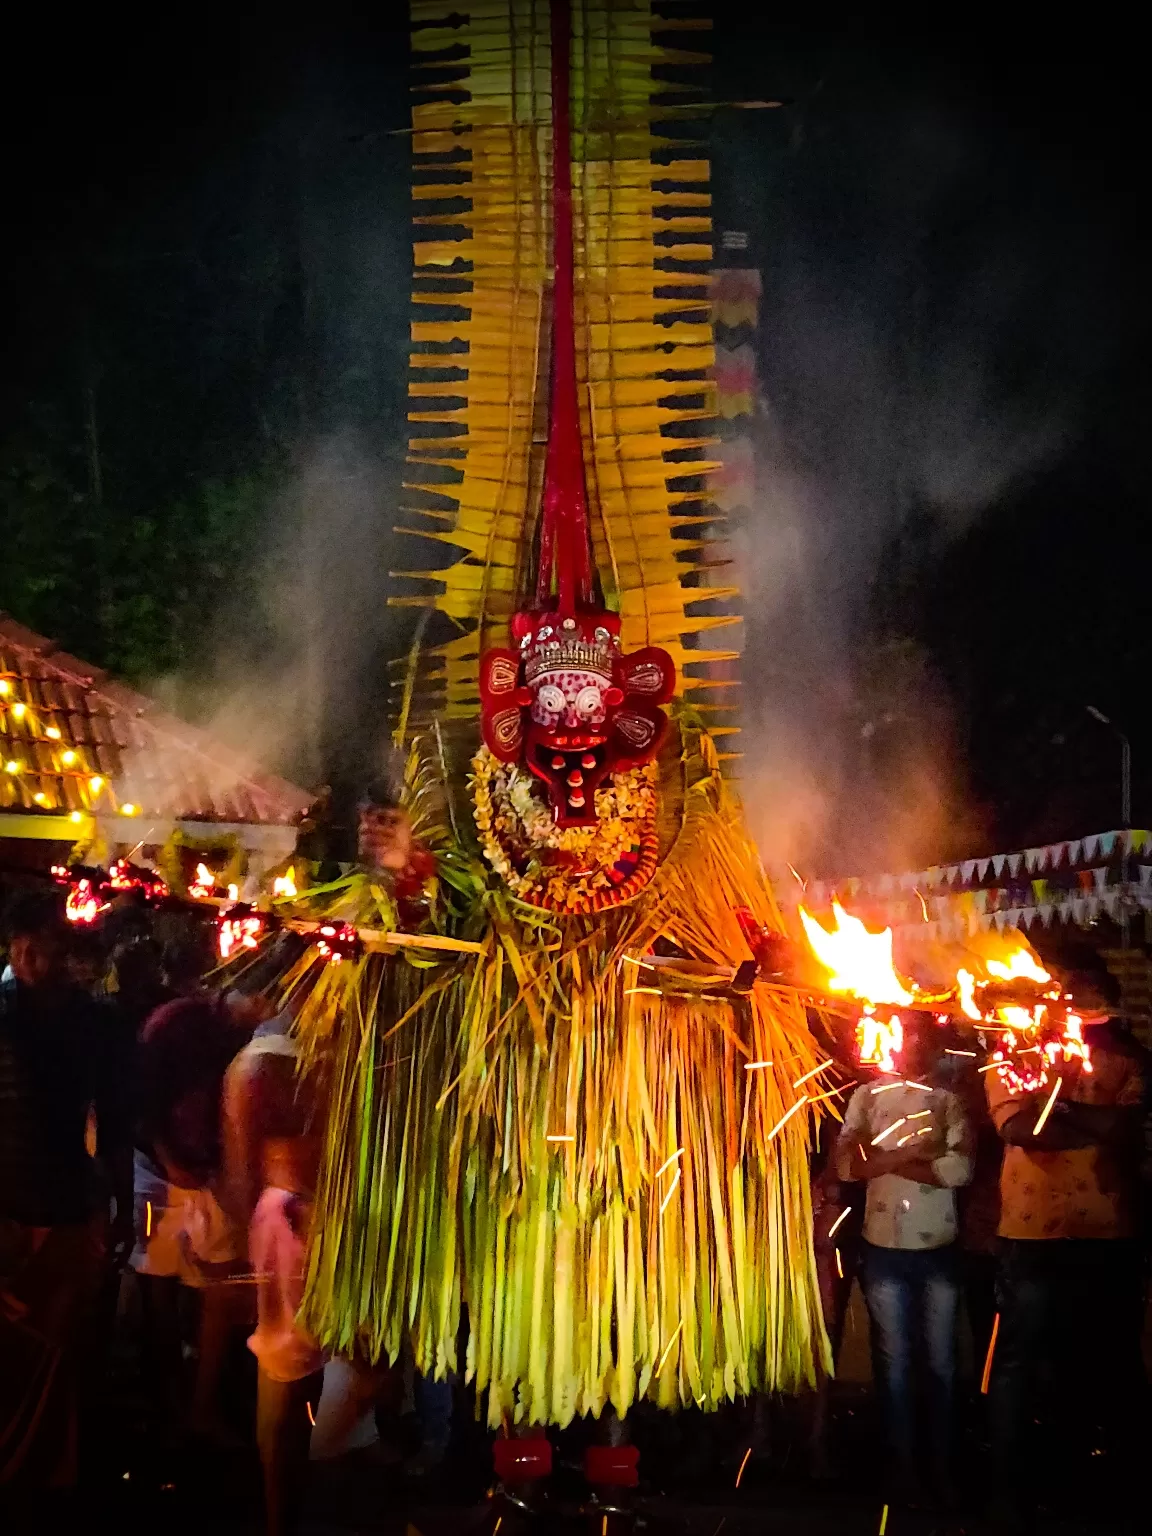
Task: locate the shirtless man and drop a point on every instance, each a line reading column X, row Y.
column 271, row 1155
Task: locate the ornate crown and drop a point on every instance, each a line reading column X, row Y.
column 558, row 645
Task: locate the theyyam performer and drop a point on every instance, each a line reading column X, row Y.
column 561, row 1101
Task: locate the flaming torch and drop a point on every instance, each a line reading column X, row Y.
column 860, row 965
column 239, row 927
column 1020, row 1002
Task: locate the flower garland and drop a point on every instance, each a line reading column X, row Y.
column 567, row 869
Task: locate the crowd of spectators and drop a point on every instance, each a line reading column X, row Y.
column 156, row 1136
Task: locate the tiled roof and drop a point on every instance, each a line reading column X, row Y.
column 74, row 739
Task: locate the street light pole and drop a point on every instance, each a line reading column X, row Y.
column 1125, row 764
column 1125, row 810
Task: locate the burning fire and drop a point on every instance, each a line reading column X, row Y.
column 338, row 941
column 239, row 928
column 82, row 905
column 880, row 1040
column 284, row 886
column 860, row 962
column 1002, row 988
column 1021, row 965
column 203, row 885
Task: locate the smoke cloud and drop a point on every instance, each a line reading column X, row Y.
column 936, row 313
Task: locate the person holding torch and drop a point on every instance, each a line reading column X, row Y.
column 908, row 1138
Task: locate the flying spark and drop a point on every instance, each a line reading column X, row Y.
column 887, row 1131
column 987, row 1377
column 815, row 1072
column 668, row 1346
column 671, row 1192
column 1047, row 1110
column 784, row 1119
column 842, row 1217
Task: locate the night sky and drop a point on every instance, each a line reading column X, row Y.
column 207, row 253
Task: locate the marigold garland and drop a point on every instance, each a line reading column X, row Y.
column 590, row 867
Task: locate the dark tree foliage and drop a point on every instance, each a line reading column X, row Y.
column 135, row 591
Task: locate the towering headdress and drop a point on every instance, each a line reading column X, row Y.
column 588, row 346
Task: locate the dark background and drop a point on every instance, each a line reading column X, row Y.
column 206, row 274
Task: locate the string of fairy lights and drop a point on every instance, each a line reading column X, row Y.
column 27, row 730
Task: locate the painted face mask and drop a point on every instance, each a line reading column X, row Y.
column 572, row 706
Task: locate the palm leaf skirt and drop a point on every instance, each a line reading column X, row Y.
column 590, row 1168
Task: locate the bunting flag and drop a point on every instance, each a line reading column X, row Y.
column 735, row 381
column 1066, row 882
column 736, row 297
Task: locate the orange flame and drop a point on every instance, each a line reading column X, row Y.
column 880, row 1040
column 284, row 886
column 1021, row 965
column 860, row 962
column 82, row 905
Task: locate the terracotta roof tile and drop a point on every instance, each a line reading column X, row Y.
column 64, row 723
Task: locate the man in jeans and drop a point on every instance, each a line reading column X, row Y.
column 908, row 1138
column 1070, row 1285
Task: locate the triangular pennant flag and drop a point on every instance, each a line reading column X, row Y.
column 1000, row 919
column 1014, row 864
column 998, row 862
column 984, row 921
column 1090, row 846
column 967, row 870
column 1137, row 841
column 1012, row 917
column 1074, row 852
column 980, row 900
column 1032, row 859
column 1027, row 916
column 1107, row 843
column 1040, row 891
column 1100, row 876
column 982, row 868
column 1046, row 914
column 1146, row 877
column 1055, row 853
